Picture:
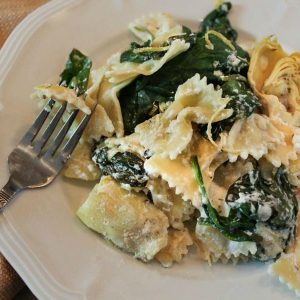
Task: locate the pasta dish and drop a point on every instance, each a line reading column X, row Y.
column 193, row 142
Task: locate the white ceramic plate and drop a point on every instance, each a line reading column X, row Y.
column 56, row 255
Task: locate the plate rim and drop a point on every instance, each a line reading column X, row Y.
column 40, row 282
column 13, row 247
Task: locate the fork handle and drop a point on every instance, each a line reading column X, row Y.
column 8, row 192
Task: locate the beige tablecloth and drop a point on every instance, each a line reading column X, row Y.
column 11, row 13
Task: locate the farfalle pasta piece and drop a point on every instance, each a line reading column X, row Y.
column 100, row 123
column 287, row 267
column 108, row 98
column 127, row 143
column 220, row 248
column 209, row 157
column 178, row 243
column 285, row 152
column 156, row 28
column 225, row 260
column 278, row 112
column 178, row 173
column 95, row 80
column 125, row 218
column 98, row 126
column 253, row 136
column 196, row 92
column 169, row 133
column 122, row 71
column 80, row 165
column 165, row 198
column 61, row 93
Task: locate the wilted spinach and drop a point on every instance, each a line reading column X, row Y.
column 125, row 167
column 271, row 204
column 271, row 201
column 230, row 227
column 132, row 55
column 254, row 203
column 76, row 72
column 218, row 20
column 243, row 103
column 137, row 56
column 137, row 99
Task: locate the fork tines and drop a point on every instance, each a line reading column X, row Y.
column 37, row 139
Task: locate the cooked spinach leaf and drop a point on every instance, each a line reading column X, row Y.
column 138, row 98
column 76, row 72
column 272, row 201
column 218, row 20
column 132, row 55
column 271, row 204
column 125, row 167
column 137, row 56
column 260, row 210
column 243, row 102
column 230, row 227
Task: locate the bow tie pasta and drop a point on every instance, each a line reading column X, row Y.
column 193, row 142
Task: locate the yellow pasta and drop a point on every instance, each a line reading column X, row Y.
column 80, row 165
column 259, row 136
column 165, row 198
column 169, row 133
column 178, row 243
column 156, row 28
column 61, row 93
column 287, row 267
column 122, row 71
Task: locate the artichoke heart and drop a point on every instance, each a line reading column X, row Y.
column 264, row 57
column 284, row 82
column 273, row 72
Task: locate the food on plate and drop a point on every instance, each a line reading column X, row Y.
column 194, row 141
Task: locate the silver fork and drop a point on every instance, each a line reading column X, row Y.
column 33, row 164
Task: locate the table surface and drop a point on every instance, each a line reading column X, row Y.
column 12, row 12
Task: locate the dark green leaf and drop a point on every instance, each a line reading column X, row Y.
column 125, row 167
column 270, row 204
column 275, row 197
column 131, row 55
column 76, row 73
column 243, row 102
column 218, row 20
column 254, row 203
column 138, row 98
column 230, row 228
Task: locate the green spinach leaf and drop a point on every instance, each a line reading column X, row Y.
column 218, row 20
column 132, row 55
column 271, row 204
column 260, row 210
column 271, row 201
column 125, row 167
column 76, row 73
column 243, row 103
column 230, row 227
column 138, row 98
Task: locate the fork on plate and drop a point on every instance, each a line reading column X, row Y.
column 36, row 160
